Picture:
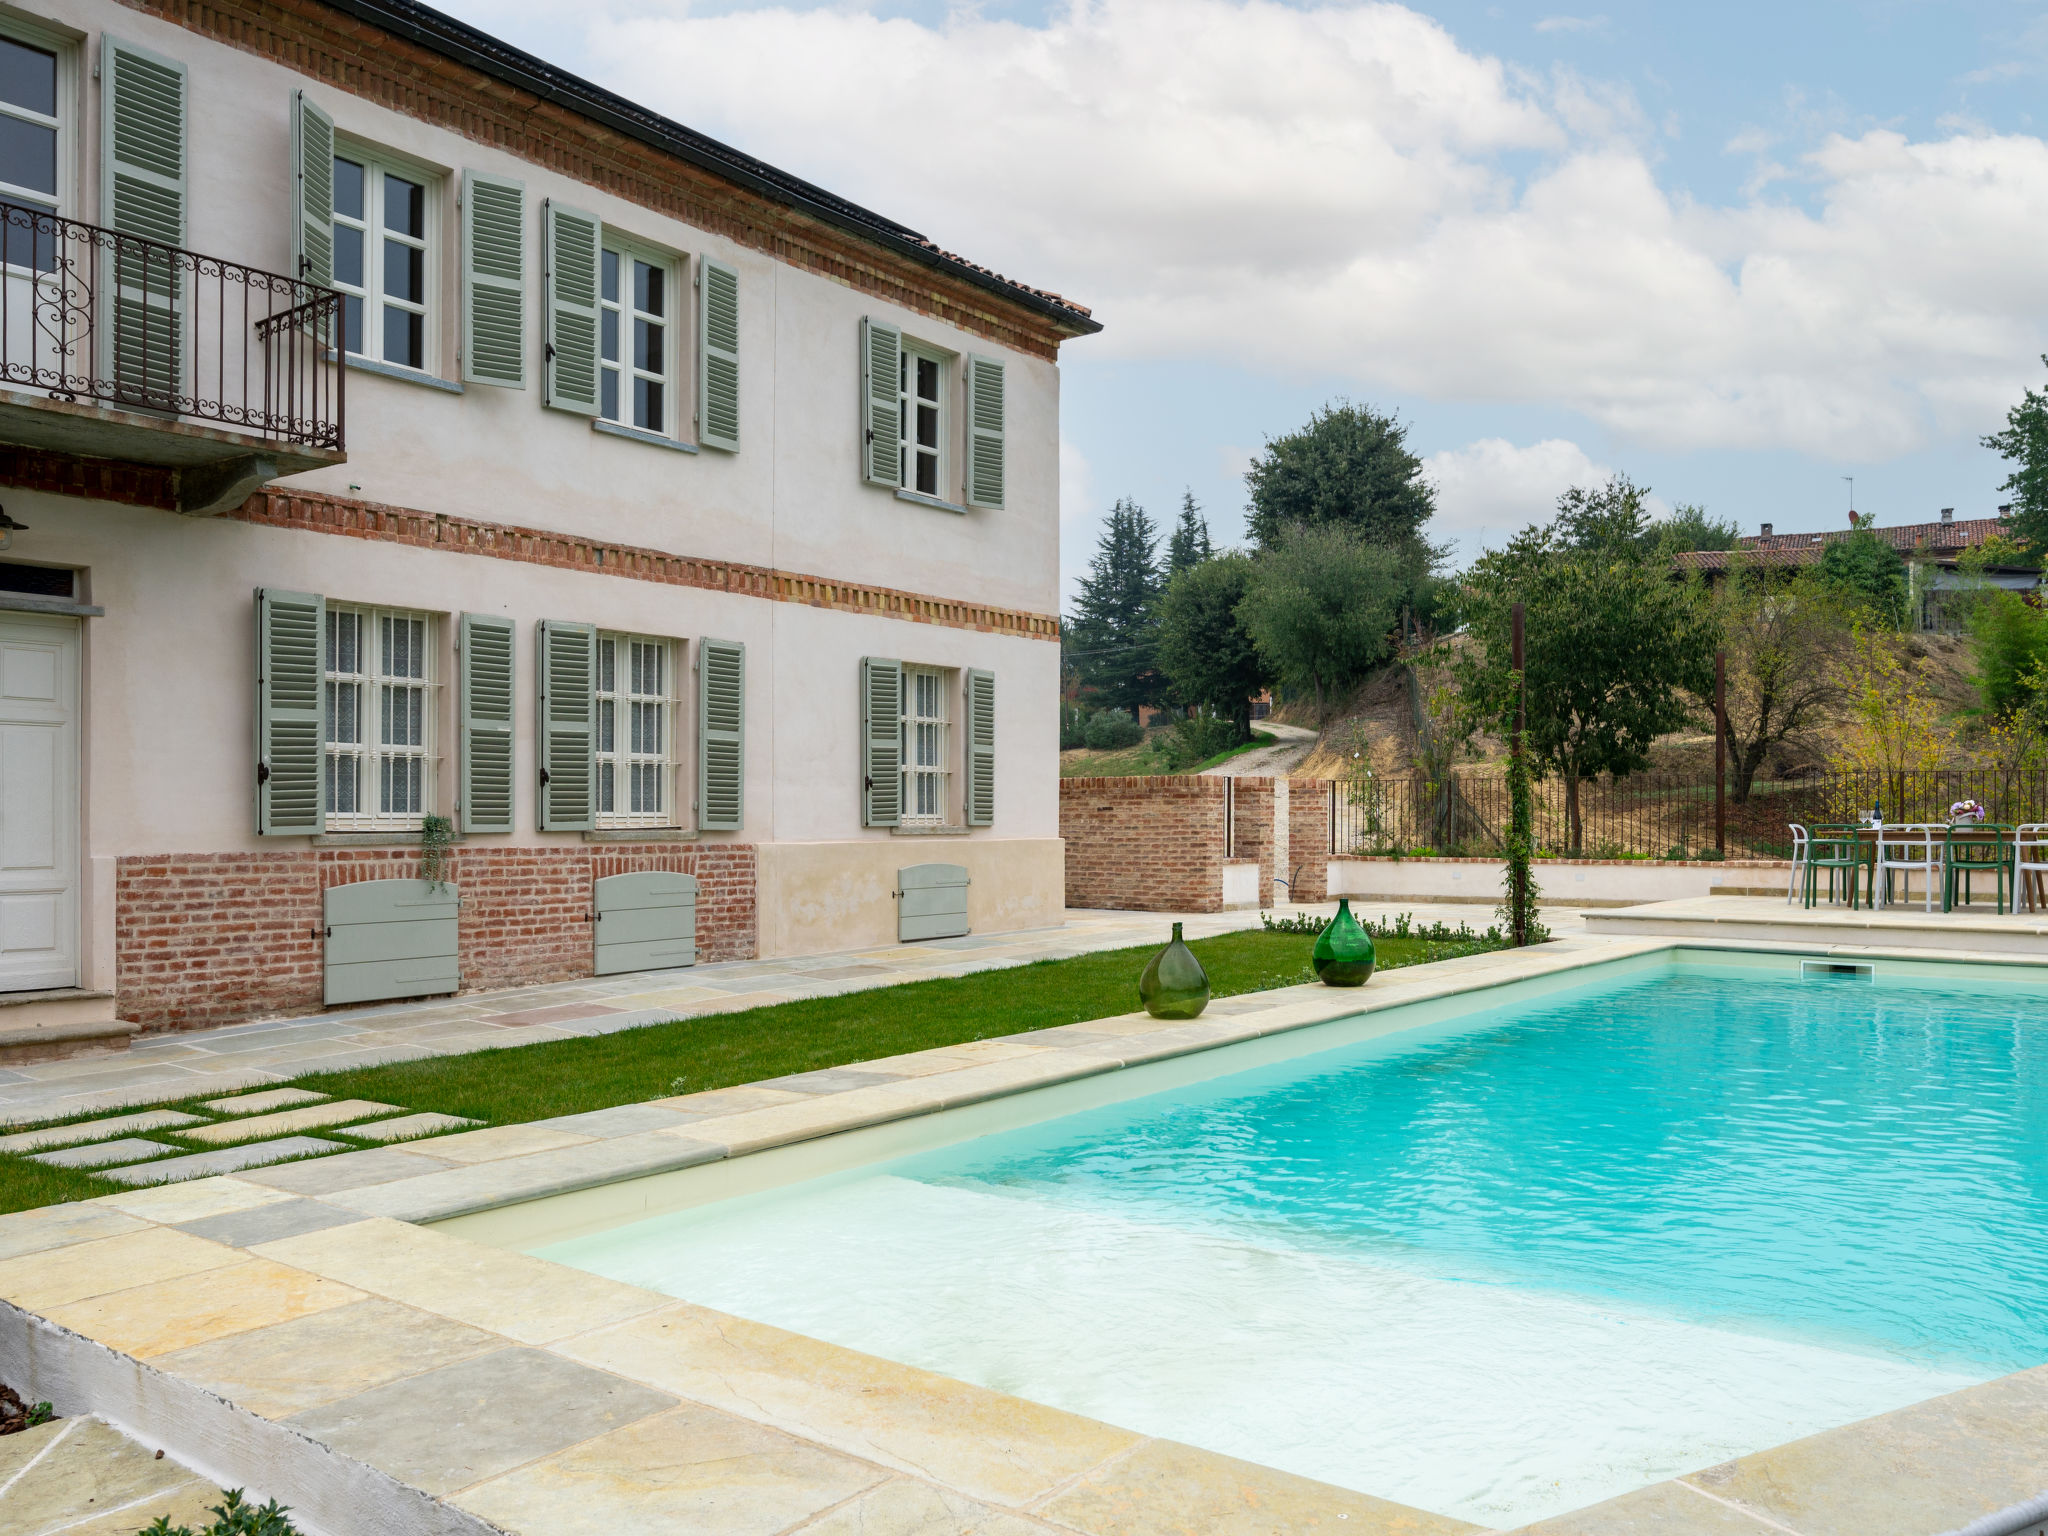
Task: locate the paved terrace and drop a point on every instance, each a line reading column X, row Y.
column 182, row 1064
column 294, row 1327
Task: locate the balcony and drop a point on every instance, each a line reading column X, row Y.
column 220, row 376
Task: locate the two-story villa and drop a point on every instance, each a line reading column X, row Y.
column 409, row 450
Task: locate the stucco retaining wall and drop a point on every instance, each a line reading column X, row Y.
column 1560, row 882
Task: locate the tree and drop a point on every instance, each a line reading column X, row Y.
column 1894, row 728
column 1189, row 545
column 1865, row 570
column 1321, row 604
column 1116, row 614
column 2009, row 643
column 2024, row 445
column 1613, row 646
column 1613, row 519
column 1204, row 649
column 1349, row 466
column 1785, row 641
column 1689, row 528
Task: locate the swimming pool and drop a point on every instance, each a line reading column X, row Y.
column 1498, row 1265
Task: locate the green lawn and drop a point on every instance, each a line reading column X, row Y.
column 565, row 1077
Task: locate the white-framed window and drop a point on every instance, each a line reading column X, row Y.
column 636, row 731
column 639, row 296
column 35, row 134
column 384, row 240
column 379, row 713
column 927, row 775
column 923, row 417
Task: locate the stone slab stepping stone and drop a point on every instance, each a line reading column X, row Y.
column 262, row 1103
column 408, row 1126
column 286, row 1122
column 204, row 1165
column 96, row 1130
column 104, row 1154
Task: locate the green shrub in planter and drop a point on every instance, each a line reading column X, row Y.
column 1112, row 729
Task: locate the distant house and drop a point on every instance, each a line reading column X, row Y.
column 1932, row 552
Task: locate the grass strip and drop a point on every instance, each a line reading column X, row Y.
column 566, row 1077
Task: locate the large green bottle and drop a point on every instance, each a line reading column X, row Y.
column 1174, row 985
column 1343, row 955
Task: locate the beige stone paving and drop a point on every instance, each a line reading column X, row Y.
column 81, row 1477
column 288, row 1122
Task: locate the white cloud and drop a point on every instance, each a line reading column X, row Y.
column 1572, row 24
column 1490, row 490
column 1340, row 190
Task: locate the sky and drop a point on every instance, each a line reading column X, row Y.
column 1743, row 253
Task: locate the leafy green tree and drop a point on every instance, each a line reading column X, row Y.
column 1189, row 544
column 1865, row 570
column 1114, row 621
column 2009, row 644
column 1689, row 528
column 1204, row 648
column 1350, row 466
column 2024, row 445
column 1613, row 518
column 1613, row 648
column 1321, row 604
column 1786, row 642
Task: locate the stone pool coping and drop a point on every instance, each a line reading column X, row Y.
column 291, row 1328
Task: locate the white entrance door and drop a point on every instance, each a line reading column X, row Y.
column 38, row 802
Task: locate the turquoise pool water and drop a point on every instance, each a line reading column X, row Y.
column 1497, row 1267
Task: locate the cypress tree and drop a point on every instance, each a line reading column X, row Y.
column 1116, row 617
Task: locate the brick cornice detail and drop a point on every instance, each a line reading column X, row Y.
column 324, row 45
column 310, row 512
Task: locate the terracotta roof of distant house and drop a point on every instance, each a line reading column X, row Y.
column 1804, row 548
column 479, row 50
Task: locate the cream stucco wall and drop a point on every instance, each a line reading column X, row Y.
column 820, row 897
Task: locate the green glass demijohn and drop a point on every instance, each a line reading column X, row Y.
column 1174, row 985
column 1343, row 954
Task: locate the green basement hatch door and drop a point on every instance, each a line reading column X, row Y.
column 645, row 922
column 933, row 902
column 390, row 938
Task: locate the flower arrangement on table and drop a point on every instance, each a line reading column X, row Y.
column 1967, row 811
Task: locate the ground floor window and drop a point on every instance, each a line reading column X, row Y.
column 635, row 731
column 379, row 718
column 926, row 779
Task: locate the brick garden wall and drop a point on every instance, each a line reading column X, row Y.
column 204, row 939
column 1144, row 844
column 1308, row 838
column 1252, row 830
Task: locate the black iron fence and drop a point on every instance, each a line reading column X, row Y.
column 1657, row 816
column 91, row 314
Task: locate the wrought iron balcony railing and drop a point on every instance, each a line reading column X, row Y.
column 92, row 314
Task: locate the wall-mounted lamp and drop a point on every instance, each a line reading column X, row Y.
column 9, row 528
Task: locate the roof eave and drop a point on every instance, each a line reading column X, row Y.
column 500, row 60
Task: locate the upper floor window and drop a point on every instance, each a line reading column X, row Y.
column 383, row 238
column 637, row 297
column 923, row 420
column 379, row 717
column 925, row 730
column 31, row 123
column 635, row 731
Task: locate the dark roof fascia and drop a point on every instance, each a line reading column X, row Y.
column 501, row 61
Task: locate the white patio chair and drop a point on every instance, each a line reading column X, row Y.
column 1908, row 850
column 1799, row 841
column 2029, row 857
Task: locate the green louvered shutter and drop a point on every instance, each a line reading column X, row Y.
column 980, row 796
column 718, row 355
column 568, row 765
column 881, row 405
column 493, row 280
column 721, row 735
column 290, row 756
column 572, row 260
column 312, row 192
column 985, row 432
column 143, row 188
column 881, row 742
column 485, row 711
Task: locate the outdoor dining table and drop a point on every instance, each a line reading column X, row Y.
column 1964, row 834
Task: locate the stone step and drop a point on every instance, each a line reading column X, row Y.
column 64, row 1021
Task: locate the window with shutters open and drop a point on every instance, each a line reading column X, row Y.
column 636, row 730
column 921, row 421
column 638, row 298
column 926, row 746
column 384, row 244
column 36, row 133
column 378, row 713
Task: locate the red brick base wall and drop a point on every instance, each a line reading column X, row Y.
column 214, row 938
column 1144, row 844
column 1308, row 838
column 1251, row 822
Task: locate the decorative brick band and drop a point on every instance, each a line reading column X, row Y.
column 202, row 939
column 312, row 512
column 325, row 45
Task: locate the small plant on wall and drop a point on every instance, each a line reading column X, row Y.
column 437, row 836
column 234, row 1516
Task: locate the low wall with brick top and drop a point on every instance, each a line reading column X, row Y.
column 1149, row 843
column 214, row 938
column 1308, row 839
